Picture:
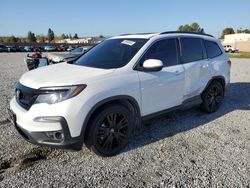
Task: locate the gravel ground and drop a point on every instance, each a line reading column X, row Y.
column 183, row 149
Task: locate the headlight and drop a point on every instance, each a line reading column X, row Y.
column 53, row 95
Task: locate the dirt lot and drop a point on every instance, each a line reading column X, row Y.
column 183, row 149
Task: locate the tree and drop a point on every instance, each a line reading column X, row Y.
column 31, row 37
column 101, row 36
column 63, row 36
column 243, row 30
column 75, row 36
column 227, row 31
column 194, row 27
column 50, row 35
column 41, row 38
column 70, row 36
column 11, row 39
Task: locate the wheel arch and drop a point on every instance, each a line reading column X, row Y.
column 221, row 79
column 125, row 100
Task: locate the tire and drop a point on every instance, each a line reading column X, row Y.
column 109, row 130
column 212, row 97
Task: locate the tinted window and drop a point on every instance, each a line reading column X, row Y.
column 213, row 50
column 192, row 49
column 164, row 50
column 112, row 53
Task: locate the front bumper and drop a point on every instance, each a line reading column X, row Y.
column 50, row 130
column 43, row 138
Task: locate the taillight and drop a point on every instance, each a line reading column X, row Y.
column 229, row 63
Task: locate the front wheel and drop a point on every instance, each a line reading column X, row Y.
column 212, row 97
column 110, row 130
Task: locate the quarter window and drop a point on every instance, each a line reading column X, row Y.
column 192, row 49
column 213, row 50
column 164, row 50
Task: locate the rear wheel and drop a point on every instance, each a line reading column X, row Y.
column 110, row 130
column 212, row 97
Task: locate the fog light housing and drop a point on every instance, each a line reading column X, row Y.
column 56, row 136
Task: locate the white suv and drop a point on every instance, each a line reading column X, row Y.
column 100, row 98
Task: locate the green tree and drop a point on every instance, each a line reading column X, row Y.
column 31, row 37
column 11, row 39
column 41, row 38
column 50, row 35
column 101, row 36
column 194, row 27
column 75, row 36
column 63, row 36
column 243, row 30
column 70, row 36
column 227, row 31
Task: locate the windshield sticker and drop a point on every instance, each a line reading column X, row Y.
column 128, row 42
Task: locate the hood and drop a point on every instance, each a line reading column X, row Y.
column 62, row 74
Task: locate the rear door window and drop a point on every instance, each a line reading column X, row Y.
column 192, row 49
column 213, row 50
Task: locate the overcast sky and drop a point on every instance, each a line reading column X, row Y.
column 113, row 17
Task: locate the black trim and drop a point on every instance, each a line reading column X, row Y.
column 25, row 96
column 214, row 78
column 136, row 34
column 170, row 32
column 39, row 138
column 182, row 32
column 193, row 101
column 107, row 100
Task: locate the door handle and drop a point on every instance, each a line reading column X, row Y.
column 204, row 66
column 177, row 72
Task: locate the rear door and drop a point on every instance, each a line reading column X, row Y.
column 196, row 65
column 163, row 89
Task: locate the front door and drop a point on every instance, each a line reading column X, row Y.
column 163, row 89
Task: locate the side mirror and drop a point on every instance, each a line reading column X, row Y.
column 152, row 65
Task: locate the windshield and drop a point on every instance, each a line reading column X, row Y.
column 112, row 53
column 77, row 50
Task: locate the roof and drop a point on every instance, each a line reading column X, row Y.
column 149, row 35
column 138, row 36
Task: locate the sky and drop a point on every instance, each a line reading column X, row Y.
column 114, row 17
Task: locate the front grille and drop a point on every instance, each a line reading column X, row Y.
column 25, row 96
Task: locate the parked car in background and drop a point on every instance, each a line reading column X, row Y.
column 13, row 49
column 230, row 49
column 3, row 48
column 70, row 48
column 28, row 48
column 49, row 48
column 60, row 57
column 62, row 48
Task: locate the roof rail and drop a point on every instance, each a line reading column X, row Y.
column 183, row 32
column 136, row 34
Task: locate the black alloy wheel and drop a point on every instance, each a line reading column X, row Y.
column 110, row 130
column 213, row 97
